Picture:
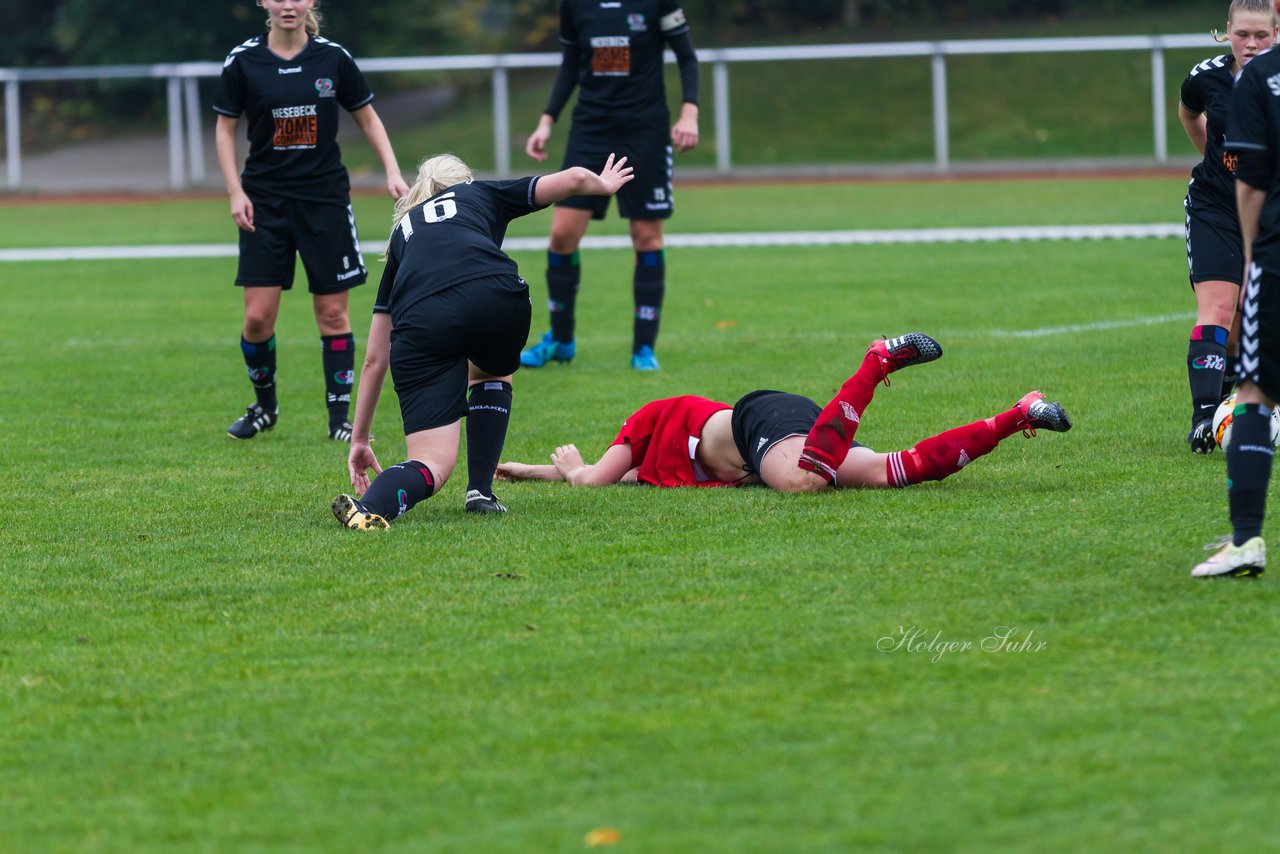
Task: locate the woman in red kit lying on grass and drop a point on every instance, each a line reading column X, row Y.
column 787, row 442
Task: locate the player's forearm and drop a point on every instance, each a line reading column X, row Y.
column 376, row 133
column 224, row 139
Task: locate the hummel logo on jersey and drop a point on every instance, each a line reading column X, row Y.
column 1273, row 83
column 761, row 443
column 964, row 460
column 850, row 414
column 297, row 69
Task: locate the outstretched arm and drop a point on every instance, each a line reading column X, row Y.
column 579, row 181
column 612, row 468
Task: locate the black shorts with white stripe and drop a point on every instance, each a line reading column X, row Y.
column 1215, row 247
column 323, row 235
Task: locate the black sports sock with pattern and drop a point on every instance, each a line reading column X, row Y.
column 260, row 361
column 398, row 488
column 339, row 355
column 1206, row 363
column 564, row 275
column 488, row 412
column 649, row 285
column 1249, row 455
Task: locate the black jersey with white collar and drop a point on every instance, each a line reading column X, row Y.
column 1207, row 90
column 451, row 238
column 1253, row 133
column 292, row 110
column 620, row 45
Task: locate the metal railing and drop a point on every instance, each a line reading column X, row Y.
column 186, row 141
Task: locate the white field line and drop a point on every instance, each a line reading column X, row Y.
column 873, row 237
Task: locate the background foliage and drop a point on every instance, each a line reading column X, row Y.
column 89, row 32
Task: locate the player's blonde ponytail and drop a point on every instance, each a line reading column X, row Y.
column 1263, row 7
column 435, row 175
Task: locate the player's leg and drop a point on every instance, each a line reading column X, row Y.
column 429, row 369
column 1215, row 267
column 648, row 287
column 432, row 455
column 647, row 201
column 941, row 456
column 338, row 356
column 832, row 434
column 496, row 315
column 330, row 252
column 264, row 272
column 564, row 276
column 1207, row 358
column 1250, row 451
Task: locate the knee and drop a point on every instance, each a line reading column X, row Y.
column 564, row 241
column 799, row 480
column 332, row 320
column 258, row 326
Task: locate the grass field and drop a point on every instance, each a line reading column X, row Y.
column 193, row 655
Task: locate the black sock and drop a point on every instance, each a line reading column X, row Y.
column 564, row 274
column 649, row 286
column 1249, row 456
column 260, row 360
column 488, row 411
column 1206, row 363
column 398, row 488
column 339, row 355
column 1229, row 375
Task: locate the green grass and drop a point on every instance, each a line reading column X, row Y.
column 193, row 655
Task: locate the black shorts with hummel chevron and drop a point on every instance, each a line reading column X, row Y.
column 764, row 418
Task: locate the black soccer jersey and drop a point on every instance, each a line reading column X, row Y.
column 1207, row 90
column 452, row 238
column 1253, row 131
column 292, row 111
column 620, row 45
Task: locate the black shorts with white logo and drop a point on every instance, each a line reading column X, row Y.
column 648, row 152
column 483, row 320
column 324, row 235
column 1260, row 331
column 1215, row 247
column 764, row 418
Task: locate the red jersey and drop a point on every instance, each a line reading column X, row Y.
column 664, row 438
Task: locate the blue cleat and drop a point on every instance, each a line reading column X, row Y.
column 548, row 349
column 644, row 360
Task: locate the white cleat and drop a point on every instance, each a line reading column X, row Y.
column 1231, row 561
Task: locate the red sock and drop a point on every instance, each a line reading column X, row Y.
column 832, row 435
column 943, row 455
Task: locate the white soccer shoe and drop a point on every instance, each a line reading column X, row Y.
column 1231, row 561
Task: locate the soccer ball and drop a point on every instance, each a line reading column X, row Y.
column 1222, row 422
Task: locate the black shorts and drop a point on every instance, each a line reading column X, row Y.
column 483, row 320
column 648, row 152
column 324, row 235
column 1215, row 247
column 1260, row 353
column 764, row 418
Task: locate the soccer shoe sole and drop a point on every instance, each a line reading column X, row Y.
column 914, row 348
column 350, row 516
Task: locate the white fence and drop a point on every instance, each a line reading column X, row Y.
column 185, row 113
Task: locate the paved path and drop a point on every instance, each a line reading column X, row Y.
column 140, row 164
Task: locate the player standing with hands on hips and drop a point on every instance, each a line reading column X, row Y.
column 1215, row 250
column 613, row 54
column 450, row 318
column 294, row 195
column 1253, row 136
